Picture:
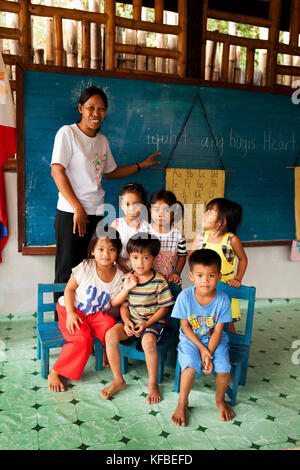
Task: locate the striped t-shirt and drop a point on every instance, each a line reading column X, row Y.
column 145, row 299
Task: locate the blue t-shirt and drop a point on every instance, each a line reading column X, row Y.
column 202, row 318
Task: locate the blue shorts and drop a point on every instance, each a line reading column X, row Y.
column 189, row 356
column 157, row 329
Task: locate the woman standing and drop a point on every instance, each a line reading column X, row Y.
column 81, row 156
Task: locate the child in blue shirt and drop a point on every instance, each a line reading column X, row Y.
column 203, row 343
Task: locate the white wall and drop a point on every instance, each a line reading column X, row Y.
column 19, row 274
column 269, row 270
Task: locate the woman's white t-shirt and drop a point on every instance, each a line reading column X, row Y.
column 85, row 160
column 92, row 294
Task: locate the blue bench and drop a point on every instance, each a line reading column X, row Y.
column 48, row 333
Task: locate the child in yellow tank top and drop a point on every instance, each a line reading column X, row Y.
column 220, row 222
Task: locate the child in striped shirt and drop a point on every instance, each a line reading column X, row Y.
column 143, row 315
column 163, row 210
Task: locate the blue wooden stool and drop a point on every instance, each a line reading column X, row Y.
column 168, row 349
column 48, row 333
column 239, row 344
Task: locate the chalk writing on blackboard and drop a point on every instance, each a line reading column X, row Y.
column 267, row 141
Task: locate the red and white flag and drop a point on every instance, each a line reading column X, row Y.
column 7, row 145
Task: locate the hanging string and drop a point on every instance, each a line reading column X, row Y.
column 180, row 134
column 210, row 130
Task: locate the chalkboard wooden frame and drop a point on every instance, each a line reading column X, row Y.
column 50, row 250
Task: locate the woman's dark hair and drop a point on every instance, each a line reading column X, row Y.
column 206, row 257
column 90, row 91
column 229, row 213
column 169, row 198
column 104, row 231
column 134, row 188
column 141, row 242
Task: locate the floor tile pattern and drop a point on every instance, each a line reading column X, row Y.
column 267, row 409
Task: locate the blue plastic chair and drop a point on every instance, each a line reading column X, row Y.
column 49, row 335
column 239, row 344
column 168, row 349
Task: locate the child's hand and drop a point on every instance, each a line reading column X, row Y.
column 129, row 328
column 174, row 277
column 130, row 281
column 234, row 282
column 207, row 366
column 206, row 359
column 73, row 319
column 138, row 329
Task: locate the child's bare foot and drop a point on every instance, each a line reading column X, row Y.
column 55, row 383
column 179, row 416
column 226, row 413
column 109, row 391
column 153, row 394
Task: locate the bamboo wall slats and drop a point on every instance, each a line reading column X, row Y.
column 268, row 45
column 67, row 13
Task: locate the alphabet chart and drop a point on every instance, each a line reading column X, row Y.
column 194, row 188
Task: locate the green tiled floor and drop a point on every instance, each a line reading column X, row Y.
column 267, row 410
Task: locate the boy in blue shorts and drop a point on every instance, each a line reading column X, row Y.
column 203, row 343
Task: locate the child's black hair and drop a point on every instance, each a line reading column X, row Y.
column 134, row 188
column 169, row 198
column 141, row 242
column 104, row 231
column 229, row 213
column 206, row 257
column 91, row 91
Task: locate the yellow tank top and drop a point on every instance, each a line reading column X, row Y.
column 227, row 267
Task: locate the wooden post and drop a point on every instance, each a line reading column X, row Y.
column 110, row 9
column 274, row 14
column 295, row 23
column 86, row 44
column 94, row 5
column 58, row 41
column 160, row 38
column 25, row 28
column 225, row 62
column 137, row 9
column 216, row 64
column 232, row 32
column 182, row 38
column 172, row 41
column 263, row 34
column 237, row 67
column 203, row 47
column 249, row 71
column 141, row 39
column 287, row 60
column 49, row 37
